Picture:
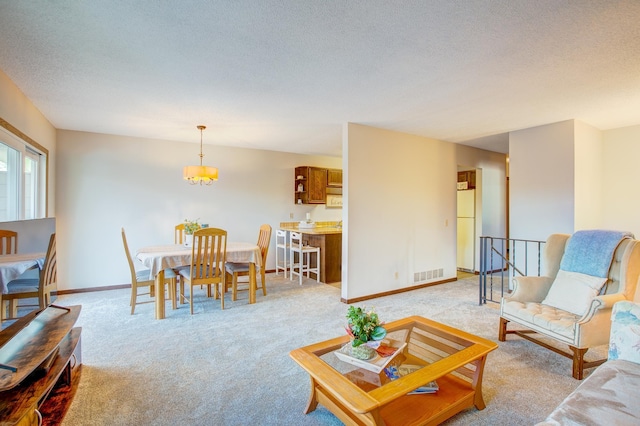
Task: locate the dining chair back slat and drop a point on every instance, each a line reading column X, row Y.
column 178, row 234
column 8, row 242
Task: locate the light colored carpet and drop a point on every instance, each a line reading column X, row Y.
column 232, row 367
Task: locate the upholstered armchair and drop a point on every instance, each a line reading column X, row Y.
column 573, row 307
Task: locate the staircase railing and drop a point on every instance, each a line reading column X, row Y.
column 503, row 258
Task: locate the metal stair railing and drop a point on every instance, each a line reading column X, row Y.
column 503, row 258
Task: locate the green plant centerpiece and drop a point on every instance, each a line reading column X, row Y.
column 363, row 326
column 191, row 226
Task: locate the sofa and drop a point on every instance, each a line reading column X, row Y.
column 610, row 394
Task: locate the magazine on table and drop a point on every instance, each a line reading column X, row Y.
column 395, row 372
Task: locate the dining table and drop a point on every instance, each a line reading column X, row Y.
column 173, row 256
column 14, row 265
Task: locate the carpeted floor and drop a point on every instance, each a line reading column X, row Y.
column 232, row 367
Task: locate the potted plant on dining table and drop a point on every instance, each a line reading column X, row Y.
column 190, row 226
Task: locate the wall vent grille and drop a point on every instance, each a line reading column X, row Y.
column 424, row 276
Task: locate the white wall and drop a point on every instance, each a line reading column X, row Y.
column 108, row 182
column 621, row 200
column 541, row 179
column 589, row 171
column 400, row 214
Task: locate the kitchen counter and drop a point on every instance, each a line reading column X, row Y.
column 328, row 237
column 322, row 230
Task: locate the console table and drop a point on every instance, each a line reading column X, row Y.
column 38, row 352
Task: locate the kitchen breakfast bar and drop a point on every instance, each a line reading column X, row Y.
column 327, row 236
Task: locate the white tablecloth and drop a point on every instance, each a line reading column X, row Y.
column 14, row 265
column 171, row 256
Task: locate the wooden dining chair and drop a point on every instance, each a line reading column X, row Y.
column 140, row 279
column 8, row 242
column 178, row 234
column 208, row 254
column 238, row 269
column 28, row 288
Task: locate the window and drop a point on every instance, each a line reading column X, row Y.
column 22, row 168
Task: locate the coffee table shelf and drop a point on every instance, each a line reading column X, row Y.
column 453, row 358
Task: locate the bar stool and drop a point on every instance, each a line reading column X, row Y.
column 304, row 257
column 282, row 243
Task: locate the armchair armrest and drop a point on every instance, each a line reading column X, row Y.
column 601, row 305
column 530, row 289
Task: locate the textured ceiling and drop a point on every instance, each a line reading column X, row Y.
column 285, row 75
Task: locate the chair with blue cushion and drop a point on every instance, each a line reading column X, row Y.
column 585, row 274
column 208, row 254
column 140, row 279
column 239, row 269
column 40, row 288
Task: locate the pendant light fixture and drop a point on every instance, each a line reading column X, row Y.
column 200, row 174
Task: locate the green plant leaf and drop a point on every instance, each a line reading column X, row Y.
column 378, row 333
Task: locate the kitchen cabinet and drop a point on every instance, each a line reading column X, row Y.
column 330, row 254
column 334, row 178
column 310, row 185
column 469, row 177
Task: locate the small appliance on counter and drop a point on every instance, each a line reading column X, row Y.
column 307, row 223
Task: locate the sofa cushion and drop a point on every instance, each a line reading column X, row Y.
column 573, row 291
column 608, row 396
column 552, row 320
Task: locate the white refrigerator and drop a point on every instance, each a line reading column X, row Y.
column 466, row 229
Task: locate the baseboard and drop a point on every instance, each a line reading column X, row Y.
column 401, row 290
column 90, row 289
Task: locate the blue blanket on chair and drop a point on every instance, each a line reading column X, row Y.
column 591, row 252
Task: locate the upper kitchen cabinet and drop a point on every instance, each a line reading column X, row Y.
column 334, row 178
column 467, row 179
column 310, row 185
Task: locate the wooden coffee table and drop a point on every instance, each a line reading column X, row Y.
column 453, row 358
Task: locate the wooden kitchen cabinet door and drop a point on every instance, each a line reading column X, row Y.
column 317, row 181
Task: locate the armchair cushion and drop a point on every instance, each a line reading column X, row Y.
column 573, row 291
column 555, row 322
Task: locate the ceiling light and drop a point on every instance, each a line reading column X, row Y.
column 200, row 174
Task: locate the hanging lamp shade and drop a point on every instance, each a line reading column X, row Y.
column 200, row 174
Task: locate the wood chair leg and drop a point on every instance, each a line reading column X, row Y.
column 263, row 278
column 502, row 331
column 578, row 362
column 234, row 286
column 221, row 294
column 172, row 293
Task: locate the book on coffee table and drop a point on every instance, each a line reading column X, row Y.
column 375, row 364
column 395, row 372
